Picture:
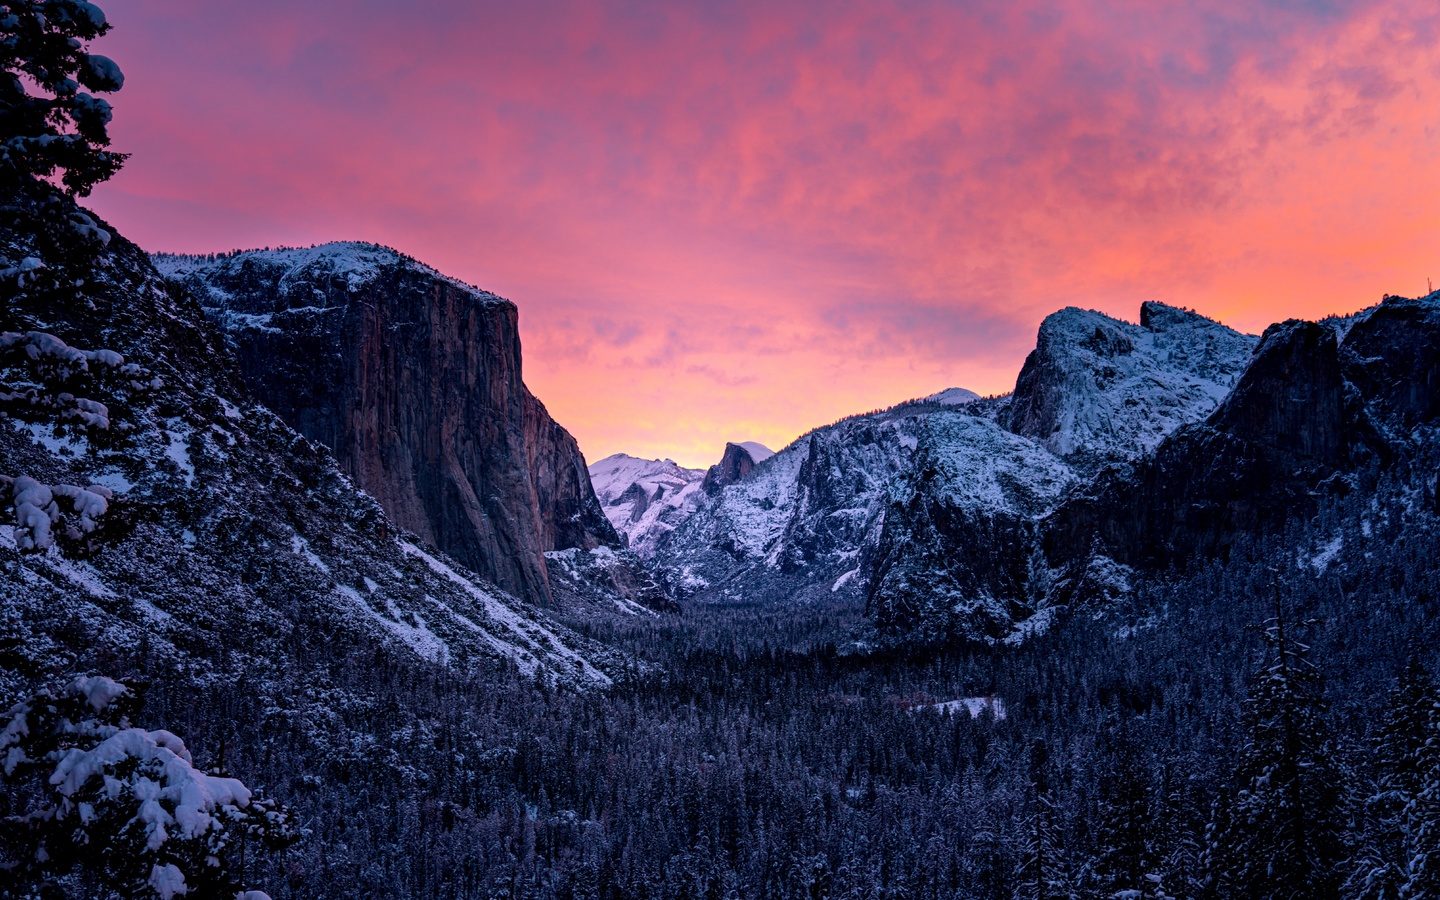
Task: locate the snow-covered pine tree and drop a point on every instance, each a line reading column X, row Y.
column 1044, row 871
column 1284, row 835
column 1399, row 857
column 1125, row 830
column 97, row 807
column 49, row 128
column 53, row 140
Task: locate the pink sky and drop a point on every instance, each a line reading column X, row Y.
column 738, row 221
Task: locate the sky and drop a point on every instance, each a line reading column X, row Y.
column 742, row 220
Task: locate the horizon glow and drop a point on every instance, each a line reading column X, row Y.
column 742, row 221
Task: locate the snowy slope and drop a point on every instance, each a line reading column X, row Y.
column 758, row 451
column 292, row 273
column 226, row 532
column 1105, row 389
column 644, row 498
column 805, row 522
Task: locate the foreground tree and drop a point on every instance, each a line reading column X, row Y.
column 1283, row 836
column 53, row 149
column 1400, row 855
column 49, row 128
column 99, row 805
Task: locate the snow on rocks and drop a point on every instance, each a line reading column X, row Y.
column 1098, row 386
column 353, row 263
column 521, row 638
column 645, row 499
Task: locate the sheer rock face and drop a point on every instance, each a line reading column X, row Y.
column 413, row 380
column 734, row 465
column 1393, row 356
column 1292, row 396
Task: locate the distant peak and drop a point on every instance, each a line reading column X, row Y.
column 955, row 396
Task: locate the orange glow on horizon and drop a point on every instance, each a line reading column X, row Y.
column 740, row 222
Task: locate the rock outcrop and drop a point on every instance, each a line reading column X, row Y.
column 413, row 380
column 735, row 464
column 1096, row 389
column 645, row 498
column 1318, row 404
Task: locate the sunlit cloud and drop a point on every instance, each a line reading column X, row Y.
column 739, row 221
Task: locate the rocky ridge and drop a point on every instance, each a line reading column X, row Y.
column 225, row 537
column 413, row 380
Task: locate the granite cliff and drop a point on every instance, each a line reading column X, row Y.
column 413, row 380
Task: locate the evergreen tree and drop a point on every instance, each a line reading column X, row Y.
column 1400, row 856
column 96, row 804
column 1043, row 868
column 1124, row 832
column 1283, row 840
column 49, row 128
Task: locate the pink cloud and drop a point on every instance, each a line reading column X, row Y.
column 730, row 221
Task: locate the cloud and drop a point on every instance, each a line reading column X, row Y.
column 762, row 215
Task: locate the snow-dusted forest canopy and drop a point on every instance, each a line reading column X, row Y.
column 1162, row 623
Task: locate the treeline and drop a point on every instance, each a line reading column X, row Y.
column 1180, row 746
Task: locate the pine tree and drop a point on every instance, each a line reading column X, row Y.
column 1042, row 871
column 95, row 802
column 1125, row 829
column 49, row 128
column 1283, row 840
column 1400, row 856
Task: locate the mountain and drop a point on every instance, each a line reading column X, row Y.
column 172, row 516
column 1096, row 389
column 792, row 525
column 736, row 463
column 1323, row 409
column 954, row 546
column 645, row 498
column 932, row 510
column 413, row 380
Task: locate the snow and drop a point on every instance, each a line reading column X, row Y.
column 1327, row 553
column 115, row 481
column 980, row 465
column 178, row 451
column 357, row 262
column 528, row 640
column 758, row 452
column 417, row 637
column 97, row 690
column 954, row 396
column 167, row 881
column 104, row 74
column 671, row 493
column 176, row 799
column 1119, row 388
column 972, row 705
column 299, row 547
column 61, row 445
column 844, row 580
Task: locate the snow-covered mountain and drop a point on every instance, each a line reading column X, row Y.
column 798, row 523
column 931, row 510
column 644, row 499
column 1097, row 389
column 208, row 531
